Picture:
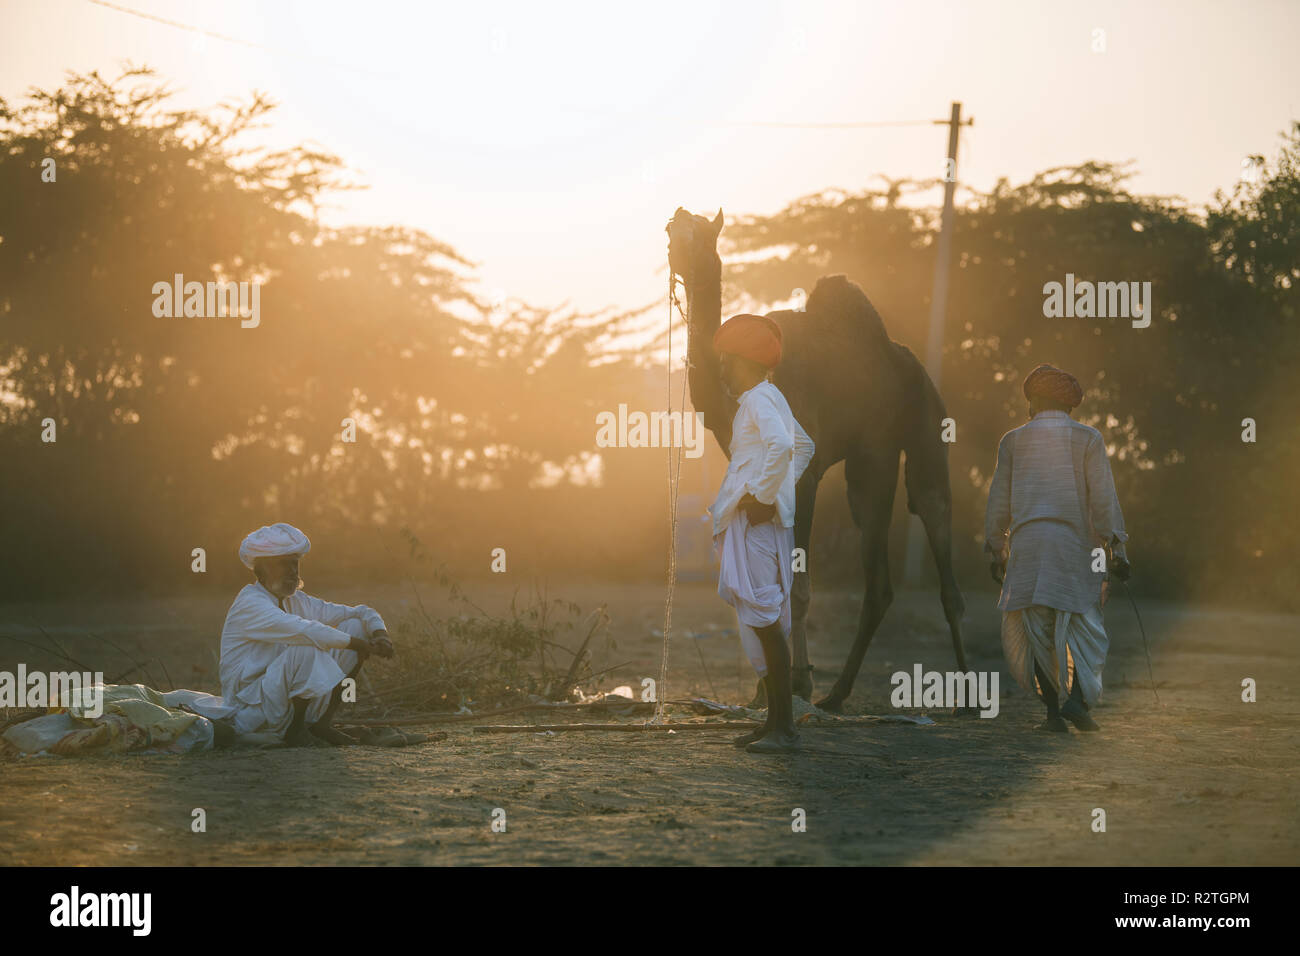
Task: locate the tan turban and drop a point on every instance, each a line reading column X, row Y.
column 1053, row 384
column 754, row 337
column 273, row 541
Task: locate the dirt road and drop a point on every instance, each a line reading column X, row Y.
column 1205, row 779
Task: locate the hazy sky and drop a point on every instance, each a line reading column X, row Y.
column 550, row 142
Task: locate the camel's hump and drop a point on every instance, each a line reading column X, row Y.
column 837, row 298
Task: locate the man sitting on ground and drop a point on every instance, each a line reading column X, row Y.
column 284, row 653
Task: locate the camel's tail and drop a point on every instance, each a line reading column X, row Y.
column 925, row 472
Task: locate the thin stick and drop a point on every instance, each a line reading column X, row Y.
column 599, row 614
column 1143, row 631
column 716, row 725
column 64, row 653
column 165, row 674
column 625, row 728
column 712, row 690
column 144, row 667
column 449, row 718
column 46, row 650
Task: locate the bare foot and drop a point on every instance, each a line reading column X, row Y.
column 778, row 742
column 333, row 736
column 298, row 736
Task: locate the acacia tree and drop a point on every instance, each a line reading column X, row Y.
column 180, row 432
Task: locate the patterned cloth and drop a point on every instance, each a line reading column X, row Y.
column 134, row 719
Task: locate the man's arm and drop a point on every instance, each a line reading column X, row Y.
column 997, row 516
column 263, row 621
column 804, row 449
column 333, row 614
column 1103, row 502
column 778, row 452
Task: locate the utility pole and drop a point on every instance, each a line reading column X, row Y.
column 916, row 541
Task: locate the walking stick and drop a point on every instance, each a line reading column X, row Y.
column 1143, row 632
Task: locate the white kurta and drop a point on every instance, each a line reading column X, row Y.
column 270, row 655
column 1051, row 502
column 769, row 452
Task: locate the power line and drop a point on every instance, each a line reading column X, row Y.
column 226, row 38
column 177, row 24
column 866, row 124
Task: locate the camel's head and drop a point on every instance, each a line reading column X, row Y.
column 692, row 242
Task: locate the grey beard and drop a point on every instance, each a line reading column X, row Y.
column 282, row 590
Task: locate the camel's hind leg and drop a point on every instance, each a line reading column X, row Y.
column 935, row 511
column 871, row 481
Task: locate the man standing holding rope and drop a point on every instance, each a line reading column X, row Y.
column 753, row 516
column 1051, row 504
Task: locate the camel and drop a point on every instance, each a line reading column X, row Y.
column 863, row 399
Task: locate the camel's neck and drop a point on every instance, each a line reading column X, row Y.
column 704, row 302
column 704, row 310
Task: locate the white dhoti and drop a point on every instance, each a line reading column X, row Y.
column 755, row 577
column 1060, row 642
column 297, row 671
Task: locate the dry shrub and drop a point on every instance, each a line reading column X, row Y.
column 472, row 658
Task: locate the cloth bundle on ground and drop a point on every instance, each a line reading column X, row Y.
column 140, row 720
column 134, row 719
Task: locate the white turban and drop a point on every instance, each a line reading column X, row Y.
column 273, row 541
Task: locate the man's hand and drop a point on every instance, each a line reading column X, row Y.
column 1119, row 567
column 381, row 645
column 758, row 512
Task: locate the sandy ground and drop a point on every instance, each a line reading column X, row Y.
column 1204, row 779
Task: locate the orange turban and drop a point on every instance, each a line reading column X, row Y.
column 1053, row 384
column 754, row 337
